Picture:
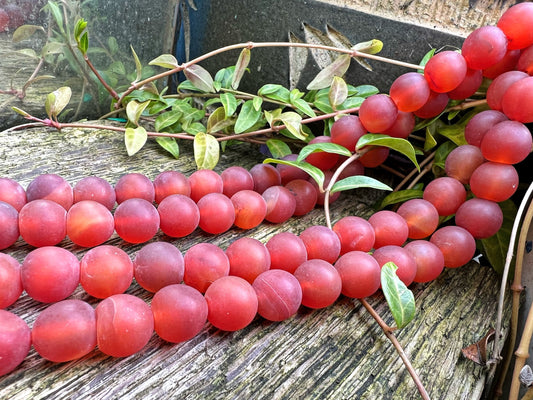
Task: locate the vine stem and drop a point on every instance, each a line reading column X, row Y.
column 399, row 349
column 508, row 259
column 334, row 178
column 251, row 45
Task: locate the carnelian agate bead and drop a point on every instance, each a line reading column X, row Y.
column 15, row 341
column 50, row 274
column 65, row 331
column 124, row 325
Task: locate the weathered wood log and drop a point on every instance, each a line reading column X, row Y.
column 336, row 353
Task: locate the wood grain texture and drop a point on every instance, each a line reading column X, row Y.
column 335, row 353
column 459, row 17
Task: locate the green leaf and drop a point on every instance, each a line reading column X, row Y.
column 275, row 92
column 206, row 151
column 441, row 153
column 351, row 102
column 169, row 144
column 338, row 92
column 224, row 76
column 166, row 119
column 425, row 59
column 135, row 139
column 240, row 67
column 363, row 91
column 325, row 77
column 278, row 148
column 194, row 128
column 200, row 78
column 326, row 147
column 112, row 44
column 81, row 25
column 21, row 112
column 304, row 107
column 134, row 110
column 400, row 197
column 400, row 299
column 313, row 171
column 138, row 65
column 358, row 181
column 166, row 61
column 83, row 44
column 273, row 116
column 218, row 121
column 57, row 101
column 24, row 32
column 57, row 14
column 400, row 145
column 430, row 141
column 321, row 102
column 495, row 247
column 52, row 48
column 293, row 123
column 257, row 103
column 229, row 101
column 247, row 118
column 373, row 46
column 117, row 67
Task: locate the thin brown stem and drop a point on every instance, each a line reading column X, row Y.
column 428, row 159
column 251, row 45
column 523, row 349
column 399, row 349
column 510, row 250
column 99, row 77
column 468, row 104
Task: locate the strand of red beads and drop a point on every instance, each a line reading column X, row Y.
column 228, row 288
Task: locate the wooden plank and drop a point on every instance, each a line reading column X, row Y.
column 338, row 352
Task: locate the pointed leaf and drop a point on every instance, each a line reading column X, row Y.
column 138, row 65
column 278, row 148
column 206, row 151
column 165, row 61
column 363, row 91
column 275, row 92
column 430, row 140
column 325, row 77
column 373, row 46
column 326, row 147
column 169, row 144
column 400, row 197
column 57, row 14
column 218, row 121
column 112, row 44
column 134, row 110
column 229, row 101
column 358, row 181
column 135, row 139
column 29, row 53
column 81, row 25
column 338, row 92
column 400, row 299
column 304, row 107
column 240, row 67
column 313, row 171
column 272, row 116
column 200, row 78
column 293, row 123
column 194, row 128
column 21, row 112
column 248, row 116
column 400, row 145
column 57, row 101
column 166, row 119
column 24, row 32
column 257, row 102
